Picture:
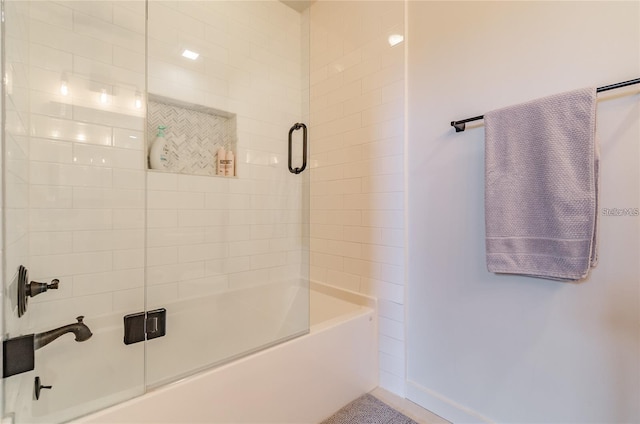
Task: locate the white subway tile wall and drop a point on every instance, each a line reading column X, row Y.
column 357, row 189
column 211, row 234
column 86, row 158
column 87, row 179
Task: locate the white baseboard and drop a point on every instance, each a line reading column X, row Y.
column 442, row 406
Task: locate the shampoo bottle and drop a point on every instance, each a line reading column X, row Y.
column 231, row 164
column 221, row 162
column 159, row 153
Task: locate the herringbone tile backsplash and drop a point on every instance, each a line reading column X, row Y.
column 193, row 135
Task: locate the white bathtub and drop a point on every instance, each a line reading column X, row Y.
column 303, row 380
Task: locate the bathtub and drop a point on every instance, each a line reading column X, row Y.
column 303, row 380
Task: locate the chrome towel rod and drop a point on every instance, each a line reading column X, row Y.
column 460, row 125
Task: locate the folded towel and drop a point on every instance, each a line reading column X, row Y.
column 541, row 187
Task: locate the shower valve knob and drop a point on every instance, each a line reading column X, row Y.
column 28, row 289
column 35, row 288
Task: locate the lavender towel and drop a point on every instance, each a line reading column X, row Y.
column 541, row 186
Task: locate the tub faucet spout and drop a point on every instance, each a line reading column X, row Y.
column 79, row 328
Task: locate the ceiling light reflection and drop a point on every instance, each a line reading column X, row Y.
column 189, row 54
column 395, row 39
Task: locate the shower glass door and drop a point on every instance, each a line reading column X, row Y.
column 227, row 255
column 206, row 256
column 74, row 200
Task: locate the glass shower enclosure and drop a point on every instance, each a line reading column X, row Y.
column 161, row 273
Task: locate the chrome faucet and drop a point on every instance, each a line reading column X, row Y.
column 79, row 328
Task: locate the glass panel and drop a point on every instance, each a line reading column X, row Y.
column 227, row 255
column 75, row 197
column 15, row 176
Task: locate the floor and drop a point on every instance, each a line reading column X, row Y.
column 408, row 408
column 368, row 409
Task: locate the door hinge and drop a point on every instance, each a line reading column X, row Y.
column 143, row 326
column 18, row 355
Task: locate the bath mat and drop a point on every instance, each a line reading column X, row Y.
column 368, row 409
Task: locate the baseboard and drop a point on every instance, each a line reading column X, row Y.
column 442, row 406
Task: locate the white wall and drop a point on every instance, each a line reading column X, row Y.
column 509, row 348
column 357, row 193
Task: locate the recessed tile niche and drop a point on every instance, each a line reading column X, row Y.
column 194, row 134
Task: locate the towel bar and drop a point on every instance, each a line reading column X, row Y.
column 460, row 125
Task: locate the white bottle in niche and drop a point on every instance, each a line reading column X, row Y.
column 230, row 169
column 221, row 162
column 159, row 153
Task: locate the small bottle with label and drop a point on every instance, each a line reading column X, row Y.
column 221, row 162
column 230, row 169
column 159, row 153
